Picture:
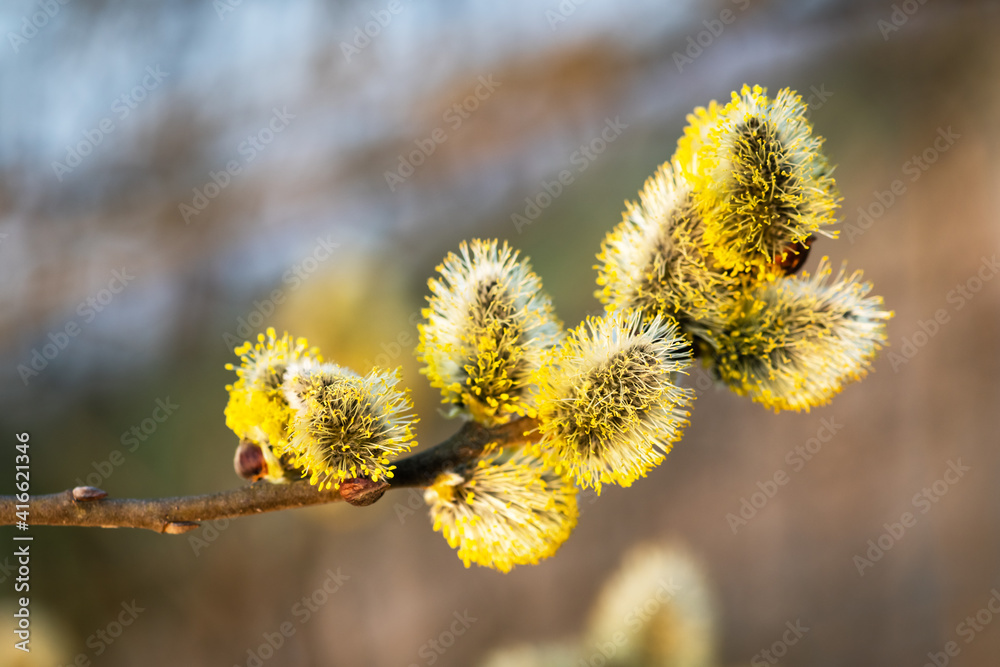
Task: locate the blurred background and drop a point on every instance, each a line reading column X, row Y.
column 178, row 176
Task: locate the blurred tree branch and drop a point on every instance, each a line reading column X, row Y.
column 85, row 506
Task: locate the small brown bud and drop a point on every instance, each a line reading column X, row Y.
column 791, row 259
column 82, row 494
column 362, row 492
column 179, row 527
column 249, row 461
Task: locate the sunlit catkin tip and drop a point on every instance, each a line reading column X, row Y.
column 609, row 407
column 488, row 325
column 257, row 410
column 345, row 425
column 503, row 511
column 702, row 122
column 794, row 343
column 262, row 365
column 763, row 182
column 656, row 258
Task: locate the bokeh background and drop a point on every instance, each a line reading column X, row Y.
column 309, row 236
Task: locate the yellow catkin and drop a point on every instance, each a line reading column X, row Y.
column 506, row 510
column 793, row 343
column 760, row 178
column 346, row 425
column 257, row 410
column 609, row 407
column 487, row 327
column 657, row 259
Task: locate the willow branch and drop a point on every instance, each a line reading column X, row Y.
column 86, row 506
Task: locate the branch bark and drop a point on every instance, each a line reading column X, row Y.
column 183, row 513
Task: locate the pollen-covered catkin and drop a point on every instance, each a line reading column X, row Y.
column 793, row 343
column 610, row 408
column 345, row 425
column 488, row 325
column 257, row 410
column 505, row 510
column 761, row 180
column 657, row 259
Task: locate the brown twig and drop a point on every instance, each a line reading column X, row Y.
column 183, row 513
